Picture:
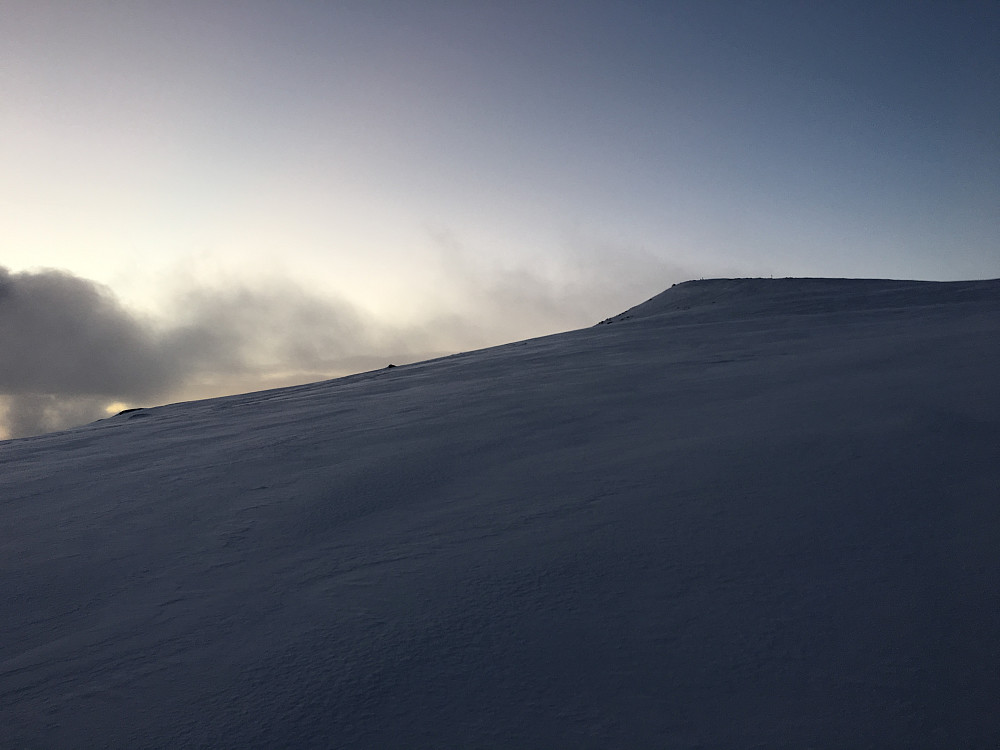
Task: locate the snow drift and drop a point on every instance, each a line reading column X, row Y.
column 746, row 512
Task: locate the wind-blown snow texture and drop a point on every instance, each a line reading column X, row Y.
column 747, row 512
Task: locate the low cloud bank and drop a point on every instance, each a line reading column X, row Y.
column 70, row 349
column 67, row 335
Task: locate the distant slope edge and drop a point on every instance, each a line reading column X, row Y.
column 717, row 298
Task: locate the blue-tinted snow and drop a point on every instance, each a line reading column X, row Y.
column 746, row 513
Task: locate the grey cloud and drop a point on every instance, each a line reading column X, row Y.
column 33, row 413
column 242, row 328
column 67, row 335
column 70, row 348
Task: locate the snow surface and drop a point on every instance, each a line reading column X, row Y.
column 745, row 513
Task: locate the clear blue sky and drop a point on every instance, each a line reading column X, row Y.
column 492, row 170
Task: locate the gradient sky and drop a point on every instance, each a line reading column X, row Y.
column 439, row 175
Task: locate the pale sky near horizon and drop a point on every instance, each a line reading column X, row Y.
column 441, row 175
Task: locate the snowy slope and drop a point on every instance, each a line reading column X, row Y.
column 745, row 513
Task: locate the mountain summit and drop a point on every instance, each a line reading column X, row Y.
column 745, row 513
column 802, row 296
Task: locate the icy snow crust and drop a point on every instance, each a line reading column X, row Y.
column 746, row 513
